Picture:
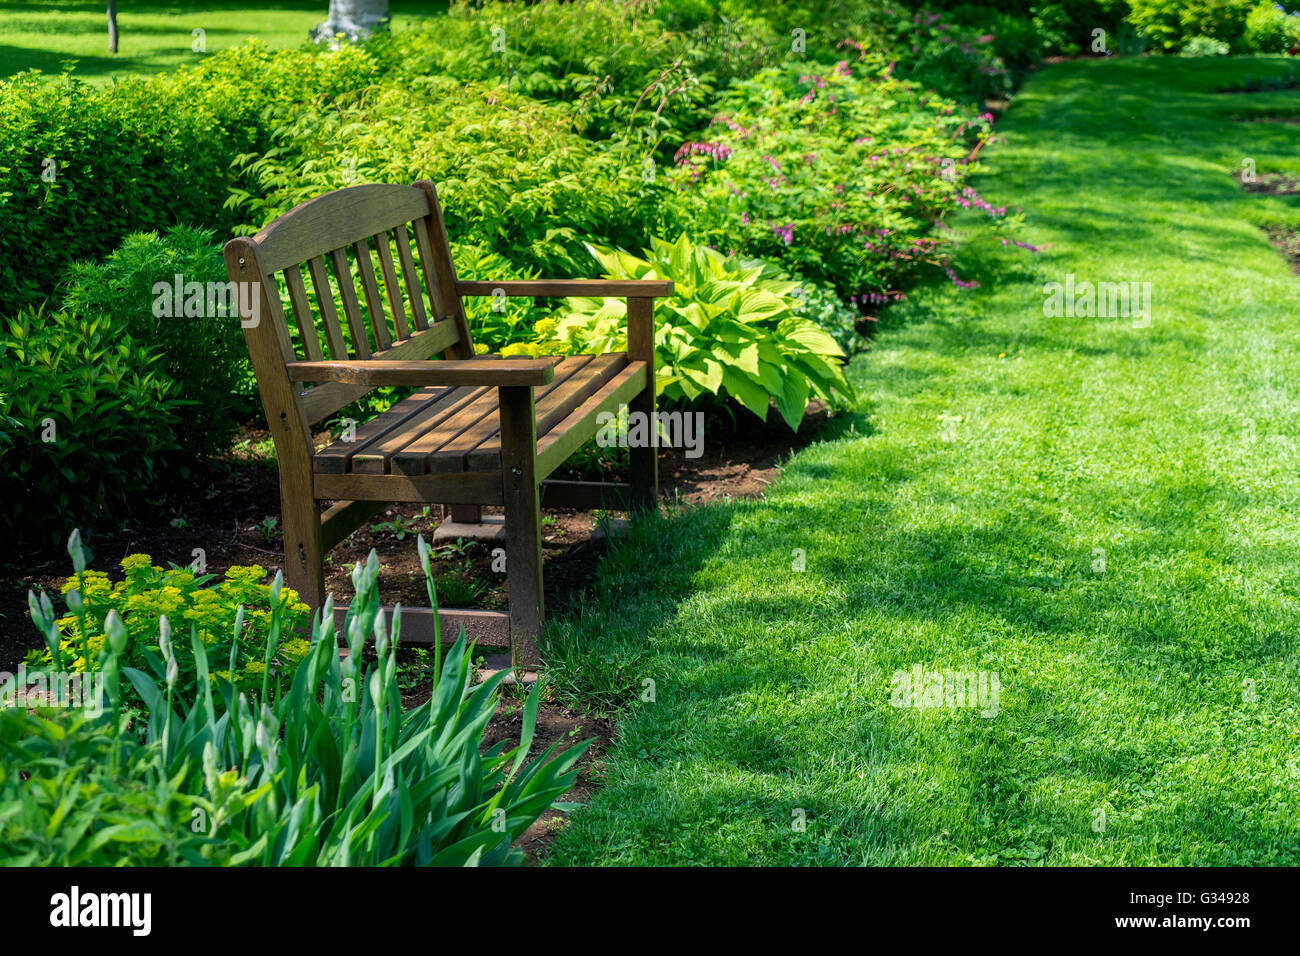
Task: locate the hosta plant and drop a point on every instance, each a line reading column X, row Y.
column 731, row 328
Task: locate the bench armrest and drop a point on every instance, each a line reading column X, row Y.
column 563, row 288
column 375, row 372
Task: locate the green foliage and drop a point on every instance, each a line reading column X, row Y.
column 233, row 619
column 1204, row 46
column 1269, row 29
column 494, row 321
column 730, row 328
column 511, row 172
column 330, row 773
column 89, row 421
column 62, row 803
column 838, row 173
column 201, row 347
column 1172, row 23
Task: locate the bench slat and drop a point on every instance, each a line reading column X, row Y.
column 302, row 313
column 320, row 283
column 376, row 459
column 553, row 407
column 452, row 456
column 374, row 304
column 324, row 400
column 414, row 294
column 394, row 291
column 567, row 436
column 351, row 308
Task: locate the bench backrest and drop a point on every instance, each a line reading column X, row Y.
column 388, row 240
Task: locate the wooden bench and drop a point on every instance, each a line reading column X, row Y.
column 480, row 430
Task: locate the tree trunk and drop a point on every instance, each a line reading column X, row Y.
column 354, row 19
column 112, row 26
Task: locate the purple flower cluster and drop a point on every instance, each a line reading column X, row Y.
column 784, row 233
column 959, row 283
column 970, row 199
column 717, row 151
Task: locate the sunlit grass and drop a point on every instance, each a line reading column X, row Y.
column 156, row 36
column 1104, row 515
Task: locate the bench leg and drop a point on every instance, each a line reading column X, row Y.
column 643, row 463
column 304, row 552
column 466, row 514
column 523, row 524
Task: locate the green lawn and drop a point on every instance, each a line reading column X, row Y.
column 156, row 35
column 955, row 523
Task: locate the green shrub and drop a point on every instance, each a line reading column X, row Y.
column 1270, row 29
column 729, row 329
column 512, row 175
column 90, row 421
column 74, row 793
column 202, row 352
column 1204, row 46
column 331, row 773
column 1171, row 23
column 140, row 155
column 839, row 174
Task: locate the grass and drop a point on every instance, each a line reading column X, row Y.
column 1103, row 515
column 156, row 36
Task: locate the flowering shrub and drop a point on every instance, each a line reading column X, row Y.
column 147, row 593
column 730, row 328
column 839, row 175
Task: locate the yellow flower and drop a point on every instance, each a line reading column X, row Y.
column 136, row 562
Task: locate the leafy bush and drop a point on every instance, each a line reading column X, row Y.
column 730, row 328
column 1204, row 46
column 234, row 620
column 81, row 167
column 89, row 422
column 331, row 773
column 1171, row 23
column 201, row 347
column 1270, row 29
column 512, row 175
column 938, row 55
column 838, row 175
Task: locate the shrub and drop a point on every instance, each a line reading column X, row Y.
column 1204, row 46
column 331, row 773
column 233, row 619
column 81, row 167
column 1270, row 29
column 89, row 422
column 201, row 350
column 511, row 172
column 837, row 175
column 1171, row 23
column 729, row 329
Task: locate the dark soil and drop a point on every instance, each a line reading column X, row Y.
column 1287, row 242
column 1271, row 184
column 226, row 513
